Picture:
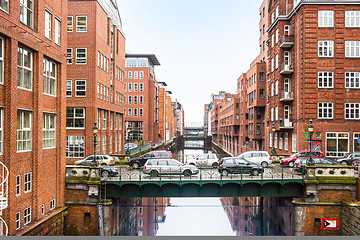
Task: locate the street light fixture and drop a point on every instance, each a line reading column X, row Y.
column 311, row 131
column 95, row 131
column 273, row 151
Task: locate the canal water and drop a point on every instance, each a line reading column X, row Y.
column 232, row 216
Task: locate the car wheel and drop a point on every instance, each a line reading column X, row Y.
column 264, row 164
column 135, row 165
column 187, row 172
column 291, row 164
column 105, row 174
column 225, row 172
column 344, row 163
column 193, row 164
column 215, row 164
column 255, row 173
column 154, row 173
column 103, row 164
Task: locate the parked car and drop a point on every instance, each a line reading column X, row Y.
column 349, row 158
column 290, row 161
column 140, row 161
column 207, row 159
column 231, row 165
column 129, row 146
column 157, row 167
column 102, row 159
column 356, row 164
column 301, row 163
column 258, row 157
column 105, row 171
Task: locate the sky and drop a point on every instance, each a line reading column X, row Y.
column 203, row 46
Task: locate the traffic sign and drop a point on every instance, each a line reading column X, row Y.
column 330, row 224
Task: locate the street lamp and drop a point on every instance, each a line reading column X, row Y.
column 273, row 151
column 311, row 131
column 95, row 131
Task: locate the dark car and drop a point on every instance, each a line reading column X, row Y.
column 105, row 171
column 140, row 161
column 231, row 165
column 301, row 165
column 349, row 158
column 290, row 161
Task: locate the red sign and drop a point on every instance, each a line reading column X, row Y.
column 330, row 224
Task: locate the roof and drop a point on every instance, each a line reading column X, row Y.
column 152, row 57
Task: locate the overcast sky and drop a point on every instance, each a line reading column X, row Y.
column 203, row 46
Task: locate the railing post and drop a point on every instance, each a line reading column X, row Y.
column 140, row 176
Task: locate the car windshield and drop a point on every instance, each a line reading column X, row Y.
column 347, row 155
column 293, row 155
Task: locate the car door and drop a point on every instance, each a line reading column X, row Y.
column 229, row 165
column 146, row 157
column 174, row 167
column 163, row 167
column 201, row 160
column 241, row 166
column 256, row 158
column 247, row 156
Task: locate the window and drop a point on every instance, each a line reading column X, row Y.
column 129, row 112
column 4, row 5
column 141, row 112
column 286, row 142
column 352, row 19
column 294, row 147
column 75, row 146
column 80, row 88
column 276, row 87
column 135, row 87
column 2, row 60
column 18, row 221
column 352, row 111
column 140, row 223
column 104, row 122
column 129, row 99
column 81, row 55
column 287, row 29
column 27, row 182
column 69, row 56
column 42, row 209
column 325, row 79
column 57, row 31
column 47, row 24
column 68, row 88
column 326, row 19
column 280, row 140
column 1, row 130
column 111, row 144
column 70, row 23
column 111, row 120
column 27, row 215
column 270, row 140
column 24, row 132
column 325, row 110
column 356, row 147
column 275, row 140
column 81, row 23
column 276, row 113
column 75, row 117
column 135, row 99
column 129, row 75
column 49, row 131
column 141, row 87
column 272, row 64
column 104, row 144
column 49, row 76
column 130, row 87
column 27, row 12
column 326, row 48
column 52, row 204
column 352, row 49
column 337, row 144
column 277, row 35
column 141, row 75
column 272, row 89
column 276, row 61
column 352, row 80
column 18, row 185
column 272, row 114
column 24, row 68
column 135, row 112
column 135, row 74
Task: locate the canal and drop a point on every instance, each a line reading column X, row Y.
column 230, row 216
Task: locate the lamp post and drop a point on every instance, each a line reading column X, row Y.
column 311, row 131
column 273, row 151
column 95, row 131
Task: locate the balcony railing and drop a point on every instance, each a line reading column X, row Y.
column 287, row 41
column 286, row 68
column 286, row 124
column 286, row 96
column 4, row 175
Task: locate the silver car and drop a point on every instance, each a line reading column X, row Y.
column 258, row 157
column 204, row 160
column 157, row 167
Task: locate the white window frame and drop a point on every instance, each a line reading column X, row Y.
column 141, row 76
column 352, row 49
column 141, row 100
column 69, row 56
column 68, row 88
column 104, row 119
column 352, row 111
column 280, row 140
column 27, row 182
column 325, row 19
column 294, row 142
column 49, row 77
column 80, row 88
column 276, row 87
column 1, row 131
column 327, row 109
column 27, row 7
column 74, row 117
column 52, row 204
column 25, row 133
column 81, row 60
column 286, row 141
column 42, row 209
column 352, row 80
column 352, row 19
column 27, row 216
column 5, row 5
column 48, row 16
column 129, row 74
column 110, row 144
column 337, row 136
column 72, row 24
column 17, row 220
column 136, row 75
column 325, row 48
column 270, row 140
column 57, row 31
column 80, row 28
column 103, row 144
column 76, row 142
column 2, row 62
column 18, row 185
column 22, row 69
column 135, row 112
column 141, row 87
column 135, row 87
column 140, row 222
column 49, row 132
column 325, row 79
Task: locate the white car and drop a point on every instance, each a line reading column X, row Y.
column 102, row 159
column 258, row 157
column 205, row 160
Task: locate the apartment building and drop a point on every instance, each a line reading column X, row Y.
column 142, row 98
column 32, row 113
column 214, row 115
column 314, row 73
column 180, row 116
column 95, row 79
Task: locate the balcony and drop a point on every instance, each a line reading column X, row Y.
column 286, row 96
column 286, row 124
column 287, row 41
column 286, row 69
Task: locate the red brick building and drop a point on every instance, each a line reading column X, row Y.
column 216, row 103
column 142, row 98
column 32, row 108
column 314, row 73
column 95, row 80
